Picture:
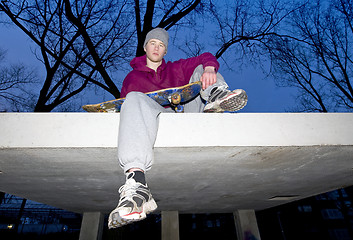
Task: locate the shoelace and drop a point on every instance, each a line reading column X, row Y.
column 129, row 189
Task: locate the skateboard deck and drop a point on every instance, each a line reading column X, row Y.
column 170, row 96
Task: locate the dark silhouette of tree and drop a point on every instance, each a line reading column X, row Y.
column 166, row 13
column 14, row 79
column 307, row 43
column 69, row 63
column 245, row 26
column 316, row 56
column 83, row 43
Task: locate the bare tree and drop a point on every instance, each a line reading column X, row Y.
column 69, row 63
column 245, row 27
column 165, row 14
column 308, row 43
column 316, row 56
column 84, row 43
column 15, row 82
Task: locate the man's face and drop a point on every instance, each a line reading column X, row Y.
column 155, row 50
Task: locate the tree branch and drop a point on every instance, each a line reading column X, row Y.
column 100, row 68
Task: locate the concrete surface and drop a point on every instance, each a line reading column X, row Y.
column 240, row 161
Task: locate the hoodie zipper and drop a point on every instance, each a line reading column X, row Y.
column 157, row 78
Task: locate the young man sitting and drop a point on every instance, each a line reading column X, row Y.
column 139, row 115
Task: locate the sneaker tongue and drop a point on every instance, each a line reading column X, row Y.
column 138, row 176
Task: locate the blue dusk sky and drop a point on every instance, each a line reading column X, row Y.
column 263, row 95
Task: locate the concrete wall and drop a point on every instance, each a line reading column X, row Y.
column 245, row 129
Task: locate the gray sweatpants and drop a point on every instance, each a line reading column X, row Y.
column 139, row 124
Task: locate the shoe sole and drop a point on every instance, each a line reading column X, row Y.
column 231, row 103
column 149, row 207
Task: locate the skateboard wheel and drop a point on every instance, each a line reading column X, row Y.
column 179, row 109
column 176, row 98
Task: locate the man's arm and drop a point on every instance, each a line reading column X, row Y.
column 209, row 63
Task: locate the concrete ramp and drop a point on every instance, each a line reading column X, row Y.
column 203, row 162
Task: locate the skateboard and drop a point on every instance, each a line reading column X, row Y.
column 170, row 96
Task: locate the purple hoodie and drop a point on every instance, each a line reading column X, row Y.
column 170, row 74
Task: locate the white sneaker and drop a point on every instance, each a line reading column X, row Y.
column 135, row 203
column 223, row 100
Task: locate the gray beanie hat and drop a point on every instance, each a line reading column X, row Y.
column 160, row 34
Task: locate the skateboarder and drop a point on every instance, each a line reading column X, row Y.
column 139, row 115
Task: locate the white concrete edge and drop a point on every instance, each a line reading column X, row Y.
column 76, row 130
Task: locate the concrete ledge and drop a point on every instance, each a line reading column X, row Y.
column 32, row 130
column 239, row 161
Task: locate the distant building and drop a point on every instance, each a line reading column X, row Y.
column 325, row 216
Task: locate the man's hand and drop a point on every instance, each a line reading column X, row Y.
column 209, row 77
